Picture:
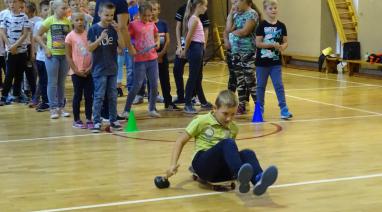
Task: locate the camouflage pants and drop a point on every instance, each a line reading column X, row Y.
column 243, row 66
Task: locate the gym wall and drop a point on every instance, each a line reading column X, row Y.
column 370, row 30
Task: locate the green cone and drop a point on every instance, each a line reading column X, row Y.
column 131, row 125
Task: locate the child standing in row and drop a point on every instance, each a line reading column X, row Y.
column 104, row 37
column 40, row 58
column 271, row 40
column 57, row 27
column 194, row 49
column 146, row 38
column 243, row 50
column 216, row 156
column 163, row 64
column 15, row 28
column 75, row 7
column 79, row 60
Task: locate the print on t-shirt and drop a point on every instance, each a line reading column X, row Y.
column 59, row 31
column 272, row 35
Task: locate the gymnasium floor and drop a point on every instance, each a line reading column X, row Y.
column 329, row 156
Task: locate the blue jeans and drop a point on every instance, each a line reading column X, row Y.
column 102, row 85
column 128, row 60
column 42, row 80
column 141, row 70
column 57, row 69
column 262, row 74
column 195, row 77
column 223, row 161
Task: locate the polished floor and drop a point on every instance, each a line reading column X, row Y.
column 329, row 156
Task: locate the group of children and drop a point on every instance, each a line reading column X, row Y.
column 90, row 49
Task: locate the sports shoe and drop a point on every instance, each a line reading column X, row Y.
column 54, row 114
column 189, row 109
column 89, row 125
column 179, row 101
column 116, row 126
column 172, row 107
column 207, row 106
column 2, row 103
column 125, row 114
column 285, row 114
column 78, row 124
column 267, row 179
column 154, row 114
column 63, row 113
column 138, row 100
column 195, row 101
column 104, row 120
column 244, row 176
column 159, row 99
column 42, row 107
column 241, row 110
column 33, row 104
column 96, row 128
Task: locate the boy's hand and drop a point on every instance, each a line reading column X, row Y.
column 103, row 34
column 133, row 51
column 114, row 24
column 183, row 54
column 119, row 51
column 276, row 46
column 48, row 53
column 172, row 170
column 13, row 49
column 178, row 50
column 81, row 73
column 160, row 58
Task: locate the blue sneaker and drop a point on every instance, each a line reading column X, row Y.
column 267, row 179
column 190, row 109
column 285, row 114
column 244, row 177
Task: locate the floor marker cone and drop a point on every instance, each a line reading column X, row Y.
column 131, row 125
column 257, row 115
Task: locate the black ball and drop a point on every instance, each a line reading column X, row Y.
column 161, row 182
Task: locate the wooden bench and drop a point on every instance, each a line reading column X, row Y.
column 353, row 66
column 288, row 56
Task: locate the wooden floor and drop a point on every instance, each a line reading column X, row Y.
column 329, row 156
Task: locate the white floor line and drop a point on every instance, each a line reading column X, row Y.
column 313, row 182
column 175, row 129
column 330, row 88
column 328, row 79
column 329, row 104
column 314, row 101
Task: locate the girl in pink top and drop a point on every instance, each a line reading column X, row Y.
column 79, row 60
column 194, row 49
column 146, row 40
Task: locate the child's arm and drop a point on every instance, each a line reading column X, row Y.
column 19, row 41
column 69, row 58
column 246, row 30
column 190, row 33
column 165, row 46
column 228, row 28
column 285, row 44
column 178, row 31
column 33, row 52
column 39, row 38
column 121, row 40
column 156, row 39
column 260, row 43
column 97, row 42
column 178, row 147
column 206, row 32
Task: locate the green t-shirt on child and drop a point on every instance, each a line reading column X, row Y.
column 208, row 131
column 57, row 31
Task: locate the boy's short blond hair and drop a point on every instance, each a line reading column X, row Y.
column 226, row 98
column 267, row 3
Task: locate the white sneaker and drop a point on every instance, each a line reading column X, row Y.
column 160, row 99
column 54, row 114
column 138, row 100
column 154, row 114
column 63, row 113
column 125, row 114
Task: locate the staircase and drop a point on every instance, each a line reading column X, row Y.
column 345, row 19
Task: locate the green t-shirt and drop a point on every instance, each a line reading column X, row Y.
column 208, row 131
column 57, row 31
